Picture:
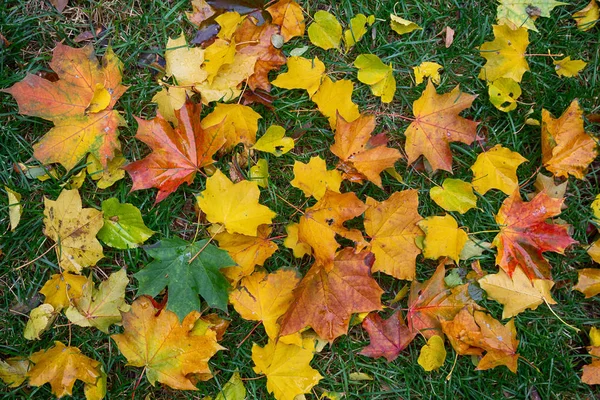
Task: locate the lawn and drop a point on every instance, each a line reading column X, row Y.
column 552, row 352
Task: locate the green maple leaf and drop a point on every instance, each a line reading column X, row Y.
column 186, row 269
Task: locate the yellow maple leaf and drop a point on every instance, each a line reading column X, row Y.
column 380, row 77
column 165, row 348
column 443, row 237
column 246, row 251
column 566, row 148
column 517, row 293
column 568, row 68
column 61, row 289
column 314, row 179
column 239, row 123
column 265, row 297
column 274, row 141
column 401, row 25
column 392, row 226
column 505, row 55
column 100, row 307
column 454, row 195
column 587, row 17
column 235, row 205
column 497, row 169
column 427, row 69
column 74, row 230
column 302, row 73
column 336, row 97
column 61, row 366
column 286, row 367
column 184, row 63
column 326, row 31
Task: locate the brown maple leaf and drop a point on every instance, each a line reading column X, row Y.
column 525, row 234
column 327, row 297
column 362, row 155
column 432, row 301
column 388, row 337
column 321, row 222
column 177, row 153
column 436, row 124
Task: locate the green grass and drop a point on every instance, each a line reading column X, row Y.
column 135, row 27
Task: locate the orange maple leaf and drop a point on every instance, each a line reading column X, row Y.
column 321, row 222
column 431, row 301
column 79, row 103
column 326, row 298
column 289, row 15
column 436, row 124
column 388, row 337
column 362, row 155
column 525, row 234
column 177, row 153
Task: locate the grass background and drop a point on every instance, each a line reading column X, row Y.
column 135, row 28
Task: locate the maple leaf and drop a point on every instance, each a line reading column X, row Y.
column 568, row 68
column 335, row 98
column 100, row 307
column 497, row 169
column 302, row 73
column 183, row 62
column 165, row 348
column 246, row 251
column 392, row 226
column 517, row 14
column 235, row 205
column 74, row 230
column 177, row 153
column 380, row 77
column 432, row 301
column 239, row 124
column 61, row 366
column 566, row 148
column 314, row 179
column 287, row 368
column 473, row 331
column 454, row 195
column 123, row 226
column 587, row 17
column 388, row 337
column 327, row 296
column 436, row 124
column 547, row 185
column 443, row 237
column 62, row 289
column 362, row 155
column 321, row 222
column 427, row 69
column 588, row 282
column 265, row 297
column 325, row 32
column 505, row 55
column 79, row 104
column 525, row 235
column 517, row 293
column 254, row 40
column 289, row 15
column 13, row 371
column 186, row 269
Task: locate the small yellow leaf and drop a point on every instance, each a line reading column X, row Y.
column 504, row 93
column 596, row 208
column 314, row 179
column 454, row 195
column 62, row 289
column 428, row 69
column 443, row 238
column 401, row 25
column 359, row 376
column 291, row 242
column 234, row 389
column 358, row 28
column 569, row 68
column 302, row 74
column 76, row 181
column 587, row 17
column 259, row 173
column 106, row 177
column 40, row 319
column 433, row 354
column 594, row 337
column 100, row 100
column 373, row 72
column 326, row 31
column 169, row 100
column 588, row 282
column 13, row 371
column 274, row 141
column 15, row 209
column 336, row 97
column 497, row 169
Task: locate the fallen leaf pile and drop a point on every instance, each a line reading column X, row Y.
column 208, row 134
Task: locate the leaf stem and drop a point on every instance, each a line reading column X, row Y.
column 205, row 244
column 560, row 319
column 37, row 258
